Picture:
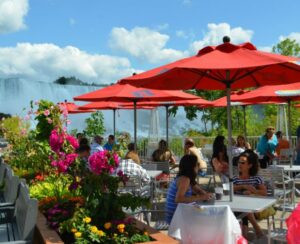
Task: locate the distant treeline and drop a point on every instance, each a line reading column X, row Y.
column 74, row 81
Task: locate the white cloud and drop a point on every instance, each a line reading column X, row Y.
column 144, row 44
column 216, row 32
column 46, row 62
column 12, row 14
column 292, row 36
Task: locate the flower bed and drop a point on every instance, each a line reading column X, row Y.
column 79, row 198
column 45, row 235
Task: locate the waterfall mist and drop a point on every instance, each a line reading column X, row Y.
column 16, row 94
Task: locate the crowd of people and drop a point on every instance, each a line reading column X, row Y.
column 184, row 188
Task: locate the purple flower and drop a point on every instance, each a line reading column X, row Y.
column 73, row 186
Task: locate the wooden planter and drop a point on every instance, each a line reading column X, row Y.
column 45, row 235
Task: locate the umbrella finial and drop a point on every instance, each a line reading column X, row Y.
column 226, row 39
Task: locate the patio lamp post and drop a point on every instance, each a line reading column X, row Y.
column 167, row 124
column 229, row 149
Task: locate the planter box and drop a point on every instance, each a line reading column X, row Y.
column 44, row 235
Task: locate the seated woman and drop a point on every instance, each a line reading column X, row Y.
column 163, row 154
column 184, row 188
column 240, row 146
column 190, row 148
column 219, row 159
column 248, row 183
column 241, row 143
column 132, row 154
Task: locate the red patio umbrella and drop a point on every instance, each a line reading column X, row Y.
column 222, row 67
column 72, row 108
column 275, row 94
column 128, row 93
column 111, row 106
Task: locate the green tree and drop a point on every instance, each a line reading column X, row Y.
column 287, row 47
column 95, row 124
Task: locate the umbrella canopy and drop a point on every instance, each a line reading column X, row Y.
column 127, row 93
column 72, row 108
column 275, row 94
column 111, row 106
column 222, row 67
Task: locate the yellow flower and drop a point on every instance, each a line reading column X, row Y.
column 121, row 230
column 115, row 235
column 121, row 226
column 107, row 225
column 100, row 233
column 77, row 234
column 73, row 230
column 87, row 220
column 94, row 229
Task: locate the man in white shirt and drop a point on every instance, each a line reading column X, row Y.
column 96, row 145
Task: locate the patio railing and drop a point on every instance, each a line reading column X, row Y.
column 176, row 144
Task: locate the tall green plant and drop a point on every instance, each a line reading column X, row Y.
column 95, row 124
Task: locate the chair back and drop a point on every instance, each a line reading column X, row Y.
column 163, row 166
column 26, row 214
column 133, row 185
column 10, row 191
column 149, row 166
column 284, row 156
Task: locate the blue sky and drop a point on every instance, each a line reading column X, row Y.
column 102, row 41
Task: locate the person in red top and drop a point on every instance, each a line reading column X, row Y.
column 282, row 143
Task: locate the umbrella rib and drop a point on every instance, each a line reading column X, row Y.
column 252, row 76
column 204, row 73
column 248, row 73
column 289, row 67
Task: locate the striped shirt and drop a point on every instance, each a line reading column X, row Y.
column 253, row 181
column 171, row 205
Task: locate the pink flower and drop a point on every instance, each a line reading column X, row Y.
column 73, row 141
column 27, row 117
column 68, row 121
column 23, row 131
column 56, row 140
column 46, row 112
column 49, row 121
column 103, row 162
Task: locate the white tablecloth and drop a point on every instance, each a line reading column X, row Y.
column 205, row 224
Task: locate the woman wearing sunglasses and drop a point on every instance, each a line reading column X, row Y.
column 249, row 183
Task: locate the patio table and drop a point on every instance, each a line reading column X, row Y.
column 195, row 224
column 247, row 204
column 287, row 168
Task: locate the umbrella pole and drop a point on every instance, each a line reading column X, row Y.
column 229, row 149
column 114, row 119
column 167, row 125
column 290, row 134
column 134, row 105
column 245, row 123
